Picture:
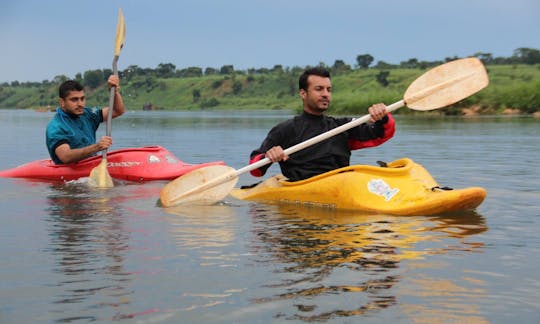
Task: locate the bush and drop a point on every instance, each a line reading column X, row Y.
column 209, row 103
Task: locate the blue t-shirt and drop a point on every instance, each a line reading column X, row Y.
column 77, row 131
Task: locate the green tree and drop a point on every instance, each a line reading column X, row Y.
column 59, row 79
column 93, row 78
column 190, row 72
column 210, row 71
column 237, row 87
column 79, row 78
column 216, row 84
column 486, row 58
column 165, row 70
column 130, row 72
column 364, row 60
column 383, row 65
column 527, row 55
column 278, row 68
column 340, row 66
column 209, row 103
column 449, row 59
column 196, row 93
column 226, row 69
column 410, row 64
column 382, row 78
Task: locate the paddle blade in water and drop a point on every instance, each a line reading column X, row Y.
column 100, row 177
column 446, row 84
column 203, row 186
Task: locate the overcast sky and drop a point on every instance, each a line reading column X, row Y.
column 42, row 39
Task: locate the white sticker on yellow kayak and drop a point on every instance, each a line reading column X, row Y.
column 381, row 188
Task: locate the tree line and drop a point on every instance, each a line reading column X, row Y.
column 95, row 78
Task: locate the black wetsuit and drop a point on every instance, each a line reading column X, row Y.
column 324, row 156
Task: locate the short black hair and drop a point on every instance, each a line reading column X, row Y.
column 318, row 71
column 67, row 86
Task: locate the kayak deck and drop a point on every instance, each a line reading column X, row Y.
column 402, row 187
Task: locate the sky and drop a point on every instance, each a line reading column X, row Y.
column 43, row 39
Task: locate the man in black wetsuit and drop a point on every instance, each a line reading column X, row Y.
column 316, row 93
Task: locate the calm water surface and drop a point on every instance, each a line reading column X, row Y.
column 77, row 255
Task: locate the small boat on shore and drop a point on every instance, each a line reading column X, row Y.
column 132, row 164
column 401, row 187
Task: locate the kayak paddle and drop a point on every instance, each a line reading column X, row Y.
column 436, row 88
column 100, row 176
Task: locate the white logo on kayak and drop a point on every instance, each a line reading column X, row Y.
column 171, row 159
column 381, row 188
column 125, row 164
column 153, row 159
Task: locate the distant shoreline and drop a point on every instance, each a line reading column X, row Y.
column 471, row 111
column 513, row 90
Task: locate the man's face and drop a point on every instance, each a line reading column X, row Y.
column 318, row 95
column 74, row 103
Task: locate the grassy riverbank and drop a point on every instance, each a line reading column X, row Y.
column 512, row 87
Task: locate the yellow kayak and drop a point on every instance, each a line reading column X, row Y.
column 401, row 187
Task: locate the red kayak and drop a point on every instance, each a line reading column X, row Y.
column 133, row 164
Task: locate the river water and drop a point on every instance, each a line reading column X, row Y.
column 74, row 254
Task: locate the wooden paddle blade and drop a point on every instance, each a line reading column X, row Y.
column 446, row 84
column 203, row 186
column 120, row 33
column 100, row 177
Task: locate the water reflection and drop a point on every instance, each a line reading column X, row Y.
column 206, row 236
column 338, row 264
column 88, row 242
column 206, row 229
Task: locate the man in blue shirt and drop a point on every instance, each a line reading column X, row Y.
column 71, row 134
